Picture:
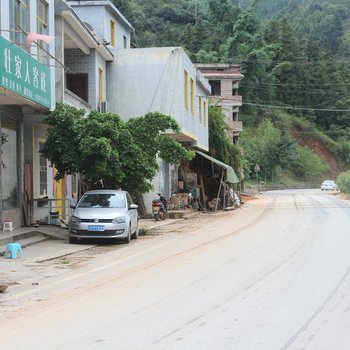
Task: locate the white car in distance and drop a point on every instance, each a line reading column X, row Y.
column 328, row 185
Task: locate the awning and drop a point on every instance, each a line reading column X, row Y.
column 231, row 176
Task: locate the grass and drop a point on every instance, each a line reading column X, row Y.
column 143, row 231
column 65, row 261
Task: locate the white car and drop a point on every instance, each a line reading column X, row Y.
column 329, row 185
column 104, row 214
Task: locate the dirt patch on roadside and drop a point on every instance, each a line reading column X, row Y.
column 248, row 197
column 341, row 195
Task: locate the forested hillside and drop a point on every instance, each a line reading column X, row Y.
column 294, row 55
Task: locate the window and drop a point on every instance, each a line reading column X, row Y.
column 125, row 42
column 205, row 113
column 42, row 170
column 192, row 95
column 215, row 87
column 112, row 27
column 100, row 85
column 74, row 182
column 186, row 88
column 42, row 26
column 103, row 200
column 200, row 109
column 78, row 84
column 19, row 22
column 9, row 166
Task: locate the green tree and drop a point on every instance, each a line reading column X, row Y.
column 108, row 152
column 220, row 145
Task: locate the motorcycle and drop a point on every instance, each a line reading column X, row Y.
column 159, row 207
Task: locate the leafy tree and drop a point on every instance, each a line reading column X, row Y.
column 108, row 152
column 343, row 182
column 220, row 146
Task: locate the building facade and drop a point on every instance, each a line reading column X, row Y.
column 80, row 81
column 147, row 80
column 224, row 81
column 161, row 80
column 27, row 95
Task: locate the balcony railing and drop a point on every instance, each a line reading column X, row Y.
column 236, row 126
column 70, row 98
column 235, row 100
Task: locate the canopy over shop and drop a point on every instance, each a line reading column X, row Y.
column 206, row 180
column 220, row 187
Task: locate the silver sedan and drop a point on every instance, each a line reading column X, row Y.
column 104, row 214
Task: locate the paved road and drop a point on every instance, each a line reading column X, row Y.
column 274, row 275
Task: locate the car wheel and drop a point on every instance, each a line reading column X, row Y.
column 73, row 240
column 135, row 235
column 127, row 239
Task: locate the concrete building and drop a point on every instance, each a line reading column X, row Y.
column 106, row 20
column 27, row 94
column 224, row 81
column 80, row 78
column 154, row 79
column 163, row 80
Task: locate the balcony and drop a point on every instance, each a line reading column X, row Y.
column 235, row 126
column 235, row 101
column 73, row 100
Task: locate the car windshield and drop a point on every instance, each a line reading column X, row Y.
column 102, row 200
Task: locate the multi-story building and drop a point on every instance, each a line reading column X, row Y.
column 224, row 81
column 80, row 82
column 106, row 20
column 163, row 80
column 153, row 79
column 27, row 94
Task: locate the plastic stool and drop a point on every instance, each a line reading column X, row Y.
column 7, row 226
column 13, row 249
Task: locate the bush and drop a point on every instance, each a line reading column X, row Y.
column 307, row 165
column 343, row 182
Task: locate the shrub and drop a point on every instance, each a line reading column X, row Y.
column 343, row 182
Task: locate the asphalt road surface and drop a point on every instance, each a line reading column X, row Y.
column 273, row 275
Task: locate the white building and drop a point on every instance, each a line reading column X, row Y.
column 164, row 80
column 106, row 20
column 27, row 93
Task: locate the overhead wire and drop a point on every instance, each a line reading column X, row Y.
column 296, row 108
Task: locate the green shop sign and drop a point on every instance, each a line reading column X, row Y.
column 23, row 75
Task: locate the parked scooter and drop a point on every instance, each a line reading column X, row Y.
column 159, row 207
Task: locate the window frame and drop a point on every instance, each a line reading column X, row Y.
column 16, row 16
column 186, row 89
column 100, row 85
column 113, row 30
column 192, row 95
column 200, row 109
column 42, row 23
column 42, row 141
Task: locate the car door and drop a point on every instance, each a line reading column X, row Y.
column 132, row 213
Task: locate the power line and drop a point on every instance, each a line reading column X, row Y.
column 301, row 92
column 293, row 84
column 276, row 103
column 296, row 108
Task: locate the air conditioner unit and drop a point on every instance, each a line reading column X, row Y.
column 104, row 107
